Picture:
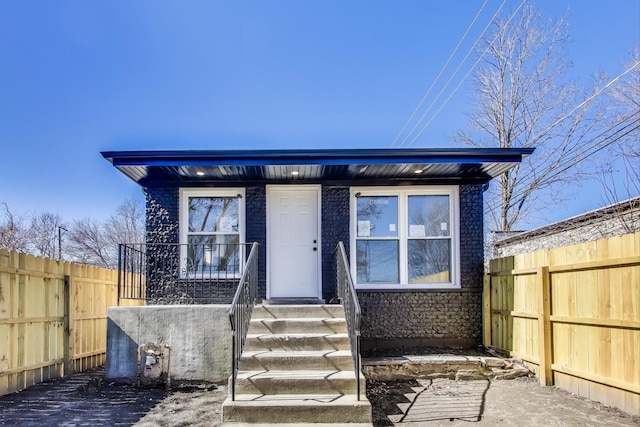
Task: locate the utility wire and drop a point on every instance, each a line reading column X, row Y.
column 592, row 148
column 598, row 92
column 455, row 50
column 459, row 83
column 589, row 99
column 590, row 145
column 569, row 154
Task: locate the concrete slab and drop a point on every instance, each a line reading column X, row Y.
column 199, row 337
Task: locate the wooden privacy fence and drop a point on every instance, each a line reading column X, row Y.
column 573, row 314
column 53, row 318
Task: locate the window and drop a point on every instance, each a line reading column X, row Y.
column 211, row 232
column 405, row 237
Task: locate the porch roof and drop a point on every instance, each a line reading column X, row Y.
column 353, row 166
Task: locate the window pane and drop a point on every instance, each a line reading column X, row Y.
column 219, row 253
column 213, row 214
column 429, row 216
column 377, row 261
column 429, row 261
column 377, row 216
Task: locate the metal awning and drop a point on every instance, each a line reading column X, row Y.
column 338, row 166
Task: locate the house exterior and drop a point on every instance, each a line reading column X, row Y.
column 410, row 219
column 610, row 221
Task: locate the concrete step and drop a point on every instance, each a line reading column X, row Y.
column 298, row 382
column 286, row 408
column 297, row 311
column 298, row 325
column 293, row 425
column 297, row 342
column 332, row 360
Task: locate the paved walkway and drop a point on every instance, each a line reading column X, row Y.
column 79, row 400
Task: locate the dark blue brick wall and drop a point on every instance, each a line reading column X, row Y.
column 162, row 215
column 256, row 229
column 335, row 228
column 471, row 236
column 164, row 285
column 439, row 318
column 434, row 318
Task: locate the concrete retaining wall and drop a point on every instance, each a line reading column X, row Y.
column 199, row 337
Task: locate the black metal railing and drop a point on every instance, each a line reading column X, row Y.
column 240, row 312
column 349, row 299
column 131, row 272
column 173, row 273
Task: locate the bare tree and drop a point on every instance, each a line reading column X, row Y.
column 126, row 224
column 96, row 243
column 44, row 234
column 14, row 231
column 623, row 105
column 523, row 98
column 88, row 241
column 89, row 244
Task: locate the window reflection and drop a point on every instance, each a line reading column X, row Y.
column 429, row 261
column 377, row 216
column 377, row 261
column 429, row 216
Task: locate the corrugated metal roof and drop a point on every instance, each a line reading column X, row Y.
column 362, row 166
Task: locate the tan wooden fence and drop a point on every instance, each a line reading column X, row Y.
column 573, row 314
column 53, row 318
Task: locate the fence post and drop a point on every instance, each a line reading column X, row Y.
column 486, row 310
column 545, row 373
column 67, row 327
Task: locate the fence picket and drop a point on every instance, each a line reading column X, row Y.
column 588, row 313
column 53, row 314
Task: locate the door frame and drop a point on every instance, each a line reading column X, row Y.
column 293, row 187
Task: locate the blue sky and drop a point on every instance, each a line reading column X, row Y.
column 79, row 77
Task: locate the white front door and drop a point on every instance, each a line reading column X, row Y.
column 293, row 242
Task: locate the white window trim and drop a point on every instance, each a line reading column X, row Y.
column 185, row 194
column 403, row 192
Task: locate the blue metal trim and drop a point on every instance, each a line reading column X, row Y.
column 157, row 168
column 314, row 157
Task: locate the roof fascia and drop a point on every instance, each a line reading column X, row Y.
column 310, row 157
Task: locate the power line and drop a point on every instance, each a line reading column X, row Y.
column 592, row 147
column 566, row 116
column 597, row 145
column 598, row 92
column 464, row 78
column 455, row 50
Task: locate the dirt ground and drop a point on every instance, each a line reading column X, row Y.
column 85, row 399
column 519, row 402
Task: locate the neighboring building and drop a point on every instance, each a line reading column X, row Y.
column 610, row 221
column 411, row 220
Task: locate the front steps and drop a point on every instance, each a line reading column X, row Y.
column 297, row 369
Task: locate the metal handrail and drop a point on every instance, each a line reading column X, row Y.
column 240, row 312
column 349, row 298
